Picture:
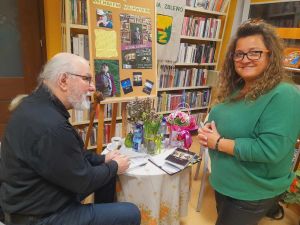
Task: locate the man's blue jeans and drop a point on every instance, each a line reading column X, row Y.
column 119, row 213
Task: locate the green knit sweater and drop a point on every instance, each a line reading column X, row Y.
column 265, row 132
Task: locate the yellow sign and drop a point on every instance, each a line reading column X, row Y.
column 105, row 43
column 164, row 28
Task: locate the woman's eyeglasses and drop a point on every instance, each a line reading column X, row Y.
column 87, row 78
column 251, row 55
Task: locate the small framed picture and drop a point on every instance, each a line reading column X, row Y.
column 148, row 87
column 104, row 18
column 137, row 79
column 126, row 86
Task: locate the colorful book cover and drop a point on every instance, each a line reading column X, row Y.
column 292, row 57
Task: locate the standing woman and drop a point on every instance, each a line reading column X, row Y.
column 252, row 130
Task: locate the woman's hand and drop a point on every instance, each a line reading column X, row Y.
column 208, row 135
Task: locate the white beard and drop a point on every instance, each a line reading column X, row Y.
column 81, row 104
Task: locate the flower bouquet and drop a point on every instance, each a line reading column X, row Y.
column 146, row 123
column 180, row 125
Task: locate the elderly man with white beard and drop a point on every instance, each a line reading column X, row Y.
column 45, row 170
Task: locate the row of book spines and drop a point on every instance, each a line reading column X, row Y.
column 78, row 12
column 192, row 53
column 283, row 22
column 167, row 102
column 212, row 5
column 199, row 117
column 183, row 78
column 106, row 134
column 84, row 115
column 201, row 27
column 108, row 111
column 83, row 132
column 80, row 45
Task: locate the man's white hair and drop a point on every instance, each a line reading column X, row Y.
column 61, row 63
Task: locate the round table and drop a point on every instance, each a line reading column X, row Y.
column 161, row 198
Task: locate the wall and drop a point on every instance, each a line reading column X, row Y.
column 227, row 34
column 52, row 26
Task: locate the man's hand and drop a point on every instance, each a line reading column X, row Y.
column 123, row 163
column 111, row 155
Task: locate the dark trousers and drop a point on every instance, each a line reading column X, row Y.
column 106, row 194
column 122, row 213
column 103, row 212
column 1, row 215
column 238, row 212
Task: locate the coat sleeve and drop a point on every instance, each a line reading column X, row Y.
column 93, row 158
column 278, row 129
column 58, row 158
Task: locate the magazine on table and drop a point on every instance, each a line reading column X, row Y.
column 175, row 161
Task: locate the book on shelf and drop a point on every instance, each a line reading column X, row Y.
column 195, row 99
column 292, row 57
column 201, row 4
column 78, row 12
column 182, row 77
column 212, row 5
column 196, row 53
column 175, row 160
column 82, row 131
column 201, row 27
column 80, row 45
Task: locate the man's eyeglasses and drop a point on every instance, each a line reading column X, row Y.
column 251, row 55
column 87, row 78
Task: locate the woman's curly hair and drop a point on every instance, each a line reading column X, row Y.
column 230, row 81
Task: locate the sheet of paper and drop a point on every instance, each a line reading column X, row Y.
column 105, row 43
column 137, row 162
column 132, row 154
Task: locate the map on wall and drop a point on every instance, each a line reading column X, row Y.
column 136, row 42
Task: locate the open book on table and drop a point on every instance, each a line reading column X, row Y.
column 174, row 161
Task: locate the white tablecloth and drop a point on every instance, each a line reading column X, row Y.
column 161, row 198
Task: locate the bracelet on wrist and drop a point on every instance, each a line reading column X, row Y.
column 217, row 143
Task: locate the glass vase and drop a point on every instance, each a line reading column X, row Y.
column 152, row 140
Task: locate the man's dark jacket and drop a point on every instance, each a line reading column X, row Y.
column 44, row 166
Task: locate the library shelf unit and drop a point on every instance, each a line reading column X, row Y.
column 200, row 43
